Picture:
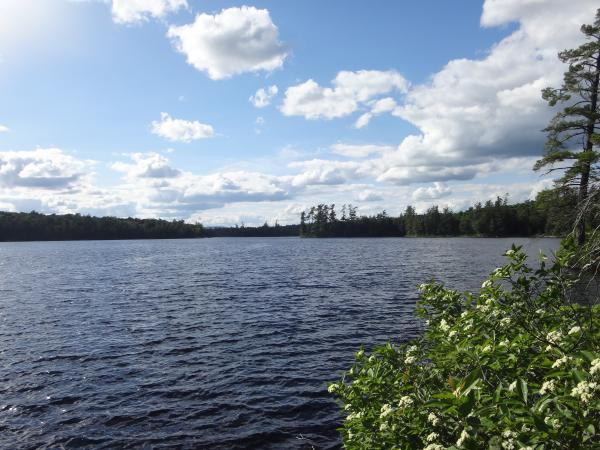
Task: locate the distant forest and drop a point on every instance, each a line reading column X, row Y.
column 262, row 231
column 551, row 213
column 34, row 226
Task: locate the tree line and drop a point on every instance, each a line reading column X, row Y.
column 264, row 230
column 34, row 226
column 551, row 213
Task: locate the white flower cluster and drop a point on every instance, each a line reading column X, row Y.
column 561, row 362
column 486, row 284
column 552, row 422
column 332, row 388
column 356, row 415
column 463, row 437
column 548, row 386
column 405, row 402
column 595, row 368
column 505, row 322
column 434, row 447
column 432, row 437
column 512, row 386
column 574, row 330
column 410, row 357
column 434, row 419
column 383, row 426
column 497, row 272
column 585, row 390
column 504, row 343
column 468, row 325
column 554, row 337
column 386, row 410
column 483, row 308
column 444, row 325
column 410, row 360
column 509, row 440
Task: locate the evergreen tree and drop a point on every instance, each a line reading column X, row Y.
column 571, row 133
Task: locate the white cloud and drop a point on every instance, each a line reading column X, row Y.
column 162, row 190
column 350, row 90
column 258, row 124
column 234, row 41
column 147, row 165
column 360, row 151
column 43, row 168
column 475, row 116
column 380, row 106
column 319, row 171
column 135, row 11
column 179, row 130
column 4, row 129
column 474, row 112
column 263, row 96
column 438, row 190
column 368, row 196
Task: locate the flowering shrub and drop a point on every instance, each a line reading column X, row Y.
column 513, row 367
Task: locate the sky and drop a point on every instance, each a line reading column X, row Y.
column 227, row 112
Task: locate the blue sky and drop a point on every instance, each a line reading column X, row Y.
column 143, row 107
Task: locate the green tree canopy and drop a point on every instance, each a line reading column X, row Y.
column 572, row 131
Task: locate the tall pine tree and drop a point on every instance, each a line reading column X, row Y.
column 572, row 132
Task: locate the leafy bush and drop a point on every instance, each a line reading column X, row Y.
column 515, row 366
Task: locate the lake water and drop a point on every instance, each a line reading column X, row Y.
column 211, row 343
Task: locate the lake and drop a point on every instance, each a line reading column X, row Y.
column 220, row 343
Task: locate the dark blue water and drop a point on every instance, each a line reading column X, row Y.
column 212, row 343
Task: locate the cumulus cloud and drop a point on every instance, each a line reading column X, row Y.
column 234, row 41
column 350, row 90
column 319, row 171
column 166, row 191
column 4, row 129
column 135, row 11
column 438, row 190
column 179, row 130
column 263, row 96
column 360, row 151
column 368, row 196
column 380, row 106
column 147, row 165
column 476, row 110
column 475, row 116
column 49, row 168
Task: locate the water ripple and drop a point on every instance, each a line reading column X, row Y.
column 214, row 343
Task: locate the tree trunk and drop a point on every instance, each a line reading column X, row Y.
column 582, row 197
column 589, row 146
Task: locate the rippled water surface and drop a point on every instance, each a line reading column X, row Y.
column 209, row 343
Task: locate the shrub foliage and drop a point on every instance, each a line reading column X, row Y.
column 515, row 366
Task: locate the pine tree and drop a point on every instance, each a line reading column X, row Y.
column 572, row 132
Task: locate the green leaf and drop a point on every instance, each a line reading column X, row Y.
column 543, row 404
column 579, row 375
column 589, row 356
column 498, row 393
column 522, row 389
